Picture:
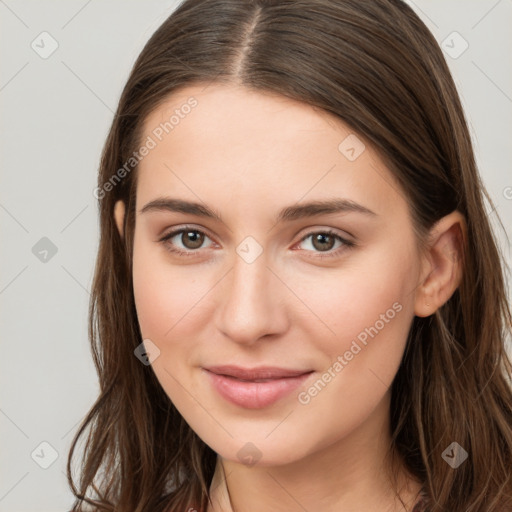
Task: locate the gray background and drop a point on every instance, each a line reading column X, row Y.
column 55, row 113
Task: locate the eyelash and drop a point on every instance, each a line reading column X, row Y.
column 347, row 244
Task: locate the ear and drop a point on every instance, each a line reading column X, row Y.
column 442, row 264
column 119, row 210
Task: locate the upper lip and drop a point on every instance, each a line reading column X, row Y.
column 260, row 372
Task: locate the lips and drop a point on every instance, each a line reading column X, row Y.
column 262, row 373
column 254, row 388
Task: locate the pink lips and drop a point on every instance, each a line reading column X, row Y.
column 257, row 387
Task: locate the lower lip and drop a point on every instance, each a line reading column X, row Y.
column 255, row 395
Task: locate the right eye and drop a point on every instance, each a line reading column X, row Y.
column 191, row 239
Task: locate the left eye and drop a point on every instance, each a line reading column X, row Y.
column 324, row 241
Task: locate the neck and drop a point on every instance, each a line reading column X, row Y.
column 347, row 475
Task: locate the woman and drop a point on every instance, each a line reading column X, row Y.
column 298, row 302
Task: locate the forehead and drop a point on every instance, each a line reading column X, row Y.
column 231, row 147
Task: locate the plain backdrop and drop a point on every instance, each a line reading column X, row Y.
column 56, row 109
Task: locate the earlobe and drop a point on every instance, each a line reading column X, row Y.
column 119, row 210
column 442, row 265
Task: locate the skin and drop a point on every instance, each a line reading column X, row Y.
column 247, row 155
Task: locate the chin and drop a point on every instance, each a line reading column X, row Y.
column 258, row 450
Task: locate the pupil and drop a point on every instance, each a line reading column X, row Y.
column 320, row 238
column 193, row 239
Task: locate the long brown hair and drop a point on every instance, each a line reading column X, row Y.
column 375, row 65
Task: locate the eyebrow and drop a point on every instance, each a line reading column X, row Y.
column 294, row 212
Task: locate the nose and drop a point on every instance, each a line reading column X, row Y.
column 252, row 302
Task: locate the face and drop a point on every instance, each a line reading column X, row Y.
column 280, row 327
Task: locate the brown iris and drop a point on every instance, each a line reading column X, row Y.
column 194, row 238
column 319, row 241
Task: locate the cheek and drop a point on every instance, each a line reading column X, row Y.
column 374, row 288
column 368, row 308
column 167, row 297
